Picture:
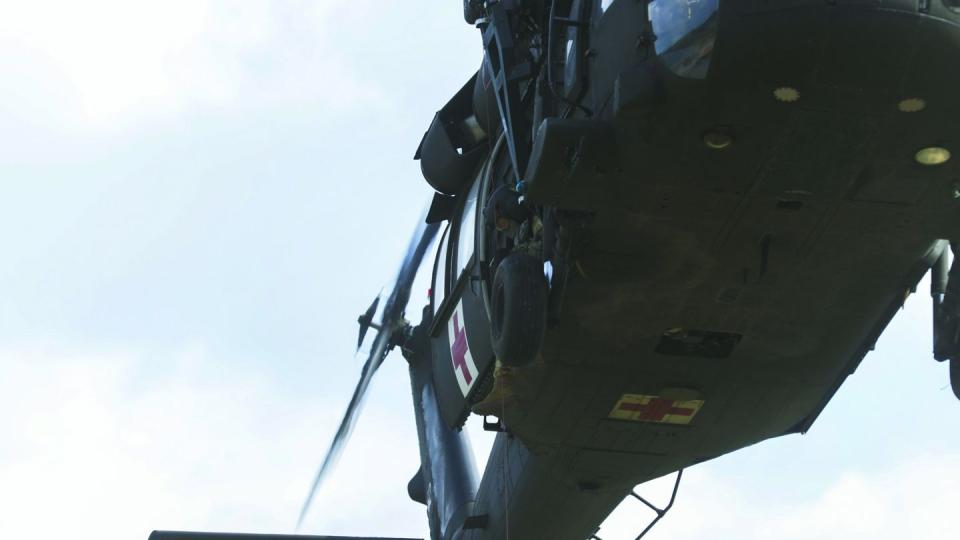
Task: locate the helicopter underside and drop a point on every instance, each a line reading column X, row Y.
column 754, row 233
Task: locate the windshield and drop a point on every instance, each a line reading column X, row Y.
column 468, row 225
column 686, row 32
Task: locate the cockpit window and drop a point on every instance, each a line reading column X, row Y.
column 468, row 221
column 686, row 33
column 439, row 289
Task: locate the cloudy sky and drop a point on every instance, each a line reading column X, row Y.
column 198, row 197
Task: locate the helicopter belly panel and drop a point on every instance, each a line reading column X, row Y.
column 774, row 211
column 794, row 333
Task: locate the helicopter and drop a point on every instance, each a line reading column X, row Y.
column 662, row 231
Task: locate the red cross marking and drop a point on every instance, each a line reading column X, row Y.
column 656, row 409
column 459, row 349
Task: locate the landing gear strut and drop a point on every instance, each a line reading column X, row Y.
column 945, row 290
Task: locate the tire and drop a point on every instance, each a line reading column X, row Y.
column 518, row 302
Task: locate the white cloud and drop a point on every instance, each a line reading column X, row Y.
column 106, row 63
column 112, row 445
column 912, row 499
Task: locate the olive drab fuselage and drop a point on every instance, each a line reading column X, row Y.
column 730, row 198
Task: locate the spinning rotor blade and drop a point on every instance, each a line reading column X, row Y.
column 400, row 295
column 391, row 322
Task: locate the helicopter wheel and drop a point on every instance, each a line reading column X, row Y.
column 518, row 309
column 955, row 376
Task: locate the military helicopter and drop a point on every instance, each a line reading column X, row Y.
column 664, row 230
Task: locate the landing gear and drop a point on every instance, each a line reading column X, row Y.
column 945, row 290
column 518, row 302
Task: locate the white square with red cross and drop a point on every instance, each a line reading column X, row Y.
column 464, row 369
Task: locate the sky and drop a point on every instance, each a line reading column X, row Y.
column 197, row 198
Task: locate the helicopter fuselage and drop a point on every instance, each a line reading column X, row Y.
column 749, row 203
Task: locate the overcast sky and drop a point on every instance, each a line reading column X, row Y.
column 196, row 200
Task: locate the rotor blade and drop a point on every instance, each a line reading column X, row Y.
column 377, row 352
column 400, row 295
column 391, row 321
